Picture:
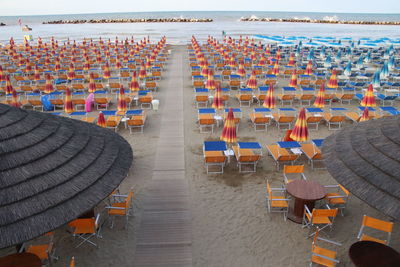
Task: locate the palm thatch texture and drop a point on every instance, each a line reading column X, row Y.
column 365, row 159
column 53, row 169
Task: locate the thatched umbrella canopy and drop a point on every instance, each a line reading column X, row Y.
column 365, row 158
column 53, row 169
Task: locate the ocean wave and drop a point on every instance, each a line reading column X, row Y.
column 331, row 18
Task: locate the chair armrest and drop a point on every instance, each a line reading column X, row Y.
column 280, row 199
column 115, row 208
column 116, row 195
column 307, row 210
column 330, row 241
column 331, row 186
column 325, row 257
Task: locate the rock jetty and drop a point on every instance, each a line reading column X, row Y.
column 330, row 21
column 127, row 20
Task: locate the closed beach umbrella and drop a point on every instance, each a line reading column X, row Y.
column 269, row 101
column 57, row 66
column 2, row 76
column 218, row 102
column 347, row 70
column 101, row 121
column 369, row 98
column 14, row 99
column 365, row 115
column 106, row 71
column 204, row 70
column 134, row 84
column 118, row 64
column 252, row 82
column 292, row 60
column 92, row 84
column 320, row 99
column 360, row 62
column 328, row 62
column 68, row 106
column 9, row 88
column 86, row 65
column 300, row 130
column 232, row 62
column 333, row 83
column 48, row 88
column 210, row 84
column 262, row 61
column 36, row 74
column 121, row 100
column 293, row 79
column 142, row 71
column 385, row 70
column 71, row 72
column 309, row 70
column 287, row 138
column 229, row 132
column 275, row 69
column 241, row 71
column 376, row 79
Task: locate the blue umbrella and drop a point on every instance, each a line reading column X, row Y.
column 385, row 70
column 367, row 59
column 347, row 70
column 323, row 54
column 391, row 63
column 360, row 62
column 339, row 55
column 311, row 55
column 376, row 79
column 348, row 51
column 298, row 50
column 328, row 62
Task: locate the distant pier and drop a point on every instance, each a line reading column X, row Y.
column 306, row 20
column 149, row 20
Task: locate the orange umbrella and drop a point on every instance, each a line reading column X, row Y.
column 92, row 84
column 142, row 71
column 241, row 71
column 14, row 100
column 252, row 82
column 269, row 101
column 292, row 60
column 210, row 84
column 229, row 132
column 71, row 72
column 9, row 88
column 309, row 70
column 333, row 83
column 204, row 71
column 106, row 71
column 121, row 100
column 118, row 64
column 36, row 75
column 300, row 130
column 218, row 102
column 275, row 69
column 134, row 85
column 320, row 99
column 57, row 66
column 48, row 88
column 262, row 60
column 232, row 62
column 369, row 98
column 101, row 121
column 293, row 79
column 68, row 106
column 365, row 115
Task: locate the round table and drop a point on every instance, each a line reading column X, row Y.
column 371, row 254
column 21, row 260
column 304, row 193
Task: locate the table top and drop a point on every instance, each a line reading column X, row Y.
column 306, row 190
column 369, row 253
column 21, row 260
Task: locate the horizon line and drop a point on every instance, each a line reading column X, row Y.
column 122, row 12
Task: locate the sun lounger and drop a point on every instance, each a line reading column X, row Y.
column 213, row 152
column 313, row 154
column 281, row 155
column 247, row 153
column 112, row 122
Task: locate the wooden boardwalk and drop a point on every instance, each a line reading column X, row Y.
column 165, row 233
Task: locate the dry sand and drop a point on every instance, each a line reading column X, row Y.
column 231, row 226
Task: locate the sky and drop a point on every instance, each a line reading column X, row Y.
column 44, row 7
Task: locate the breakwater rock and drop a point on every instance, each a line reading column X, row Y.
column 330, row 21
column 154, row 20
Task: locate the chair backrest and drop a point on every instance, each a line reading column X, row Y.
column 337, row 118
column 377, row 224
column 324, row 213
column 293, row 168
column 285, row 119
column 269, row 191
column 290, row 157
column 128, row 199
column 346, row 192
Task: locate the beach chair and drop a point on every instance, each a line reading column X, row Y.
column 334, row 122
column 283, row 120
column 112, row 122
column 198, row 84
column 214, row 156
column 386, row 99
column 121, row 206
column 245, row 97
column 376, row 224
column 313, row 155
column 78, row 87
column 293, row 172
column 261, row 119
column 344, row 98
column 247, row 153
column 86, row 229
column 337, row 197
column 322, row 218
column 45, row 249
column 114, row 87
column 145, row 101
column 136, row 121
column 78, row 100
column 151, row 86
column 201, row 97
column 102, row 102
column 281, row 155
column 306, row 96
column 276, row 200
column 35, row 103
column 234, row 85
column 322, row 256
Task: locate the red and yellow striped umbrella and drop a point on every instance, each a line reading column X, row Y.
column 262, row 61
column 309, row 70
column 293, row 79
column 134, row 84
column 333, row 83
column 320, row 99
column 142, row 71
column 86, row 65
column 287, row 138
column 300, row 130
column 101, row 121
column 204, row 71
column 232, row 62
column 92, row 84
column 14, row 99
column 241, row 71
column 270, row 101
column 9, row 88
column 71, row 72
column 369, row 98
column 118, row 64
column 57, row 66
column 2, row 76
column 252, row 82
column 365, row 115
column 229, row 132
column 48, row 88
column 275, row 69
column 36, row 75
column 210, row 83
column 68, row 106
column 121, row 100
column 106, row 71
column 218, row 102
column 292, row 60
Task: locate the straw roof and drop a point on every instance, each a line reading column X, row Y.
column 365, row 159
column 53, row 169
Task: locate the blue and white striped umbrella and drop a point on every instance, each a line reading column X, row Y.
column 376, row 79
column 347, row 70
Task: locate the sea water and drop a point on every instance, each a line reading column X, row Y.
column 180, row 33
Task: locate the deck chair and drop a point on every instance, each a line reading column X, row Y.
column 121, row 206
column 78, row 87
column 86, row 229
column 145, row 101
column 45, row 251
column 206, row 123
column 151, row 86
column 286, row 99
column 36, row 104
column 79, row 103
column 114, row 87
column 234, row 85
column 112, row 122
column 260, row 121
column 198, row 84
column 313, row 154
column 376, row 224
column 313, row 121
column 292, row 172
column 281, row 155
column 334, row 122
column 137, row 121
column 102, row 103
column 345, row 98
column 57, row 103
column 214, row 158
column 276, row 200
column 318, row 217
column 323, row 256
column 337, row 197
column 244, row 99
column 246, row 157
column 201, row 101
column 283, row 120
column 305, row 99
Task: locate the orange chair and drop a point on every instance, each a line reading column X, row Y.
column 313, row 155
column 46, row 252
column 277, row 203
column 260, row 121
column 324, row 217
column 376, row 224
column 137, row 121
column 122, row 206
column 85, row 229
column 338, row 198
column 246, row 157
column 333, row 120
column 214, row 158
column 291, row 172
column 323, row 256
column 72, row 262
column 281, row 155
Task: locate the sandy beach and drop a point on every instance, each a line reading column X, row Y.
column 230, row 223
